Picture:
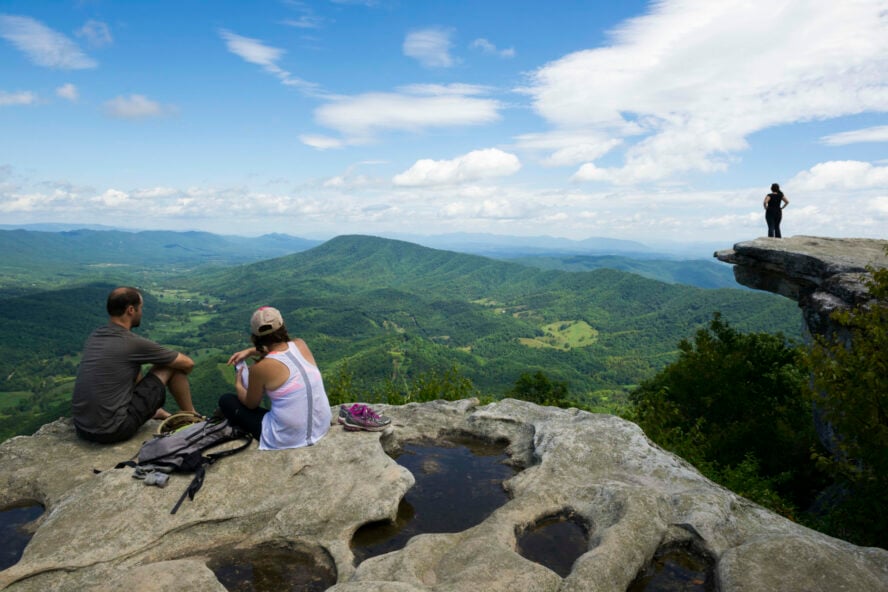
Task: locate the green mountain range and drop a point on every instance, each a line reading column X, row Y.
column 46, row 258
column 379, row 311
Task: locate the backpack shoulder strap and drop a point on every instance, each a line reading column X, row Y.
column 201, row 470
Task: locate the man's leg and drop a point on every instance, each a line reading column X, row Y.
column 177, row 383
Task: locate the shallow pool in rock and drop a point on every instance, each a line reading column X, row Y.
column 676, row 569
column 272, row 569
column 555, row 541
column 14, row 536
column 459, row 483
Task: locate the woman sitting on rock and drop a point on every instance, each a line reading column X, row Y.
column 285, row 371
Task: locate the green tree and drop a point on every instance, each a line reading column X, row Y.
column 851, row 390
column 540, row 389
column 734, row 404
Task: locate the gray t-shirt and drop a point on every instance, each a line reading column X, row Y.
column 112, row 359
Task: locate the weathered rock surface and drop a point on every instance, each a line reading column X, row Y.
column 108, row 531
column 821, row 274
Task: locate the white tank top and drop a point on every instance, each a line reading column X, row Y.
column 300, row 412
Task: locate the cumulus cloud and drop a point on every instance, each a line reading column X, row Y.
column 430, row 47
column 112, row 198
column 476, row 165
column 96, row 33
column 68, row 92
column 256, row 52
column 135, row 107
column 359, row 118
column 489, row 48
column 870, row 134
column 17, row 98
column 841, row 175
column 692, row 79
column 42, row 45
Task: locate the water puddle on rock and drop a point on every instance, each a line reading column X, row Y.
column 458, row 485
column 676, row 569
column 14, row 535
column 271, row 569
column 556, row 542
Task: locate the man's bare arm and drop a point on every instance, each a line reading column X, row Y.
column 182, row 363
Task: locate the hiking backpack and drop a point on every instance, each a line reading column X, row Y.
column 182, row 451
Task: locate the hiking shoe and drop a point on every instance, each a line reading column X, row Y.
column 361, row 417
column 357, row 409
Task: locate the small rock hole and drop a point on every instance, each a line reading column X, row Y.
column 677, row 568
column 268, row 568
column 15, row 532
column 555, row 541
column 459, row 483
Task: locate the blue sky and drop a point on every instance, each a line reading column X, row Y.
column 662, row 121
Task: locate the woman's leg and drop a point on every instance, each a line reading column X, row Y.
column 769, row 218
column 778, row 216
column 242, row 416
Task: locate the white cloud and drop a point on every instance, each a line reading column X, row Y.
column 870, row 134
column 135, row 107
column 456, row 89
column 359, row 118
column 256, row 52
column 306, row 21
column 880, row 204
column 67, row 91
column 430, row 47
column 478, row 164
column 486, row 209
column 321, row 142
column 696, row 78
column 96, row 33
column 489, row 48
column 112, row 198
column 17, row 98
column 42, row 45
column 568, row 147
column 154, row 193
column 841, row 175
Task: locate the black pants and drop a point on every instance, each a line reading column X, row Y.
column 773, row 218
column 241, row 415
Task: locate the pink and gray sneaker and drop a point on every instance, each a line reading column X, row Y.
column 361, row 417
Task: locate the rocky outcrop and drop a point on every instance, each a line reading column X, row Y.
column 108, row 531
column 821, row 274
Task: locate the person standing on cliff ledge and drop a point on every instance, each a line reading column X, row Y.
column 111, row 398
column 774, row 204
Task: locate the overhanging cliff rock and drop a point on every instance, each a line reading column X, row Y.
column 821, row 274
column 108, row 531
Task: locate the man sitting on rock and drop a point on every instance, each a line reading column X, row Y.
column 111, row 398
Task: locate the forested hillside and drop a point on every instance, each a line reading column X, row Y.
column 378, row 311
column 703, row 274
column 385, row 308
column 46, row 258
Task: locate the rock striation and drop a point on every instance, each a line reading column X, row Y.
column 108, row 531
column 822, row 274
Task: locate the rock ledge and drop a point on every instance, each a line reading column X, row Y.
column 107, row 531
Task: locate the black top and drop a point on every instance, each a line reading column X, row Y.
column 774, row 202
